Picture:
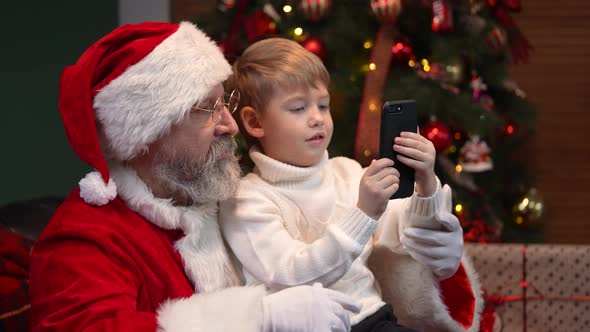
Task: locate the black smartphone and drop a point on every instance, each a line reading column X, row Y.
column 398, row 116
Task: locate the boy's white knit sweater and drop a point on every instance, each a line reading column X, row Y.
column 292, row 226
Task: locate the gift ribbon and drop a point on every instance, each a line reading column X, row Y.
column 494, row 301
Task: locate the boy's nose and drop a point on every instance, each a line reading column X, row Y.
column 316, row 117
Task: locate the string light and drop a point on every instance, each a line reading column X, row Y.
column 523, row 204
column 457, row 135
column 459, row 168
column 411, row 63
column 372, row 107
column 425, row 65
column 287, row 8
column 367, row 153
column 510, row 129
column 458, row 208
column 368, row 44
column 452, row 149
column 298, row 31
column 372, row 66
column 397, row 47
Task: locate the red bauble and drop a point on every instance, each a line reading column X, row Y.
column 314, row 10
column 386, row 10
column 258, row 25
column 315, row 46
column 439, row 134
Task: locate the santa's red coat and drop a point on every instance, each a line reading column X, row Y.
column 110, row 269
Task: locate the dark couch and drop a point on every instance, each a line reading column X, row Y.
column 21, row 224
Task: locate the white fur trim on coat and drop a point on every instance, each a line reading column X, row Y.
column 94, row 191
column 207, row 261
column 139, row 106
column 228, row 310
column 413, row 291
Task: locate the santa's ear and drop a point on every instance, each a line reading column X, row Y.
column 251, row 122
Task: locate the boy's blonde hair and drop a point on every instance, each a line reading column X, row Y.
column 269, row 65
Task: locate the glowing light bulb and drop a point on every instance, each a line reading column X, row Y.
column 372, row 66
column 459, row 168
column 368, row 44
column 523, row 204
column 287, row 8
column 458, row 208
column 298, row 31
column 510, row 129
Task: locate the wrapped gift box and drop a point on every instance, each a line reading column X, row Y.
column 557, row 285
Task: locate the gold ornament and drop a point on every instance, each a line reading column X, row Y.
column 528, row 211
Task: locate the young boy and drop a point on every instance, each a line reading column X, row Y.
column 299, row 217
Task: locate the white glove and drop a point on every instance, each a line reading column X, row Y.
column 307, row 308
column 441, row 250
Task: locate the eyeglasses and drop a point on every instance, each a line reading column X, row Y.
column 230, row 101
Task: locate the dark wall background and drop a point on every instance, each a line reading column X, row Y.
column 40, row 38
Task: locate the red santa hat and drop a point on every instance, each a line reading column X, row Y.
column 131, row 86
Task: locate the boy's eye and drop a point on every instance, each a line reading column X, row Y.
column 297, row 109
column 324, row 107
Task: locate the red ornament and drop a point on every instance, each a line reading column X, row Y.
column 315, row 46
column 258, row 25
column 439, row 134
column 478, row 231
column 442, row 16
column 314, row 10
column 387, row 11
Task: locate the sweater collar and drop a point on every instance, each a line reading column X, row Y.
column 274, row 171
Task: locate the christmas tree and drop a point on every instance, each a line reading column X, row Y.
column 451, row 56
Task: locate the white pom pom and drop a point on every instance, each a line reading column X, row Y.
column 94, row 191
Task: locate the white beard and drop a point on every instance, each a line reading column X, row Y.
column 213, row 178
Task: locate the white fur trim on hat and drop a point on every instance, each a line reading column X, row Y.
column 94, row 191
column 138, row 107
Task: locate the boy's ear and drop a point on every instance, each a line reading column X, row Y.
column 251, row 122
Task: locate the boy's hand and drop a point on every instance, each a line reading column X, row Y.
column 418, row 152
column 379, row 182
